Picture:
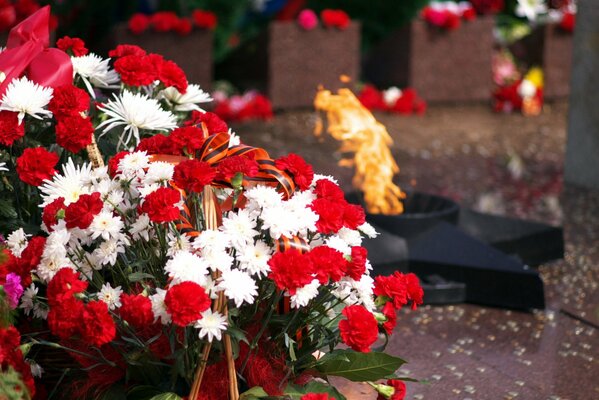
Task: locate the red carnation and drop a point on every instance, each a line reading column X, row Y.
column 136, row 310
column 210, row 121
column 302, row 172
column 183, row 27
column 170, row 74
column 415, row 292
column 487, row 6
column 359, row 330
column 97, row 326
column 64, row 319
column 136, row 70
column 328, row 264
column 81, row 213
column 371, row 98
column 325, row 189
column 393, row 288
column 74, row 133
column 193, row 175
column 138, row 23
column 164, row 21
column 353, row 216
column 68, row 100
column 186, row 302
column 29, row 260
column 204, row 19
column 10, row 129
column 12, row 356
column 158, row 144
column 50, row 213
column 330, row 215
column 391, row 314
column 357, row 266
column 316, row 396
column 113, row 163
column 187, row 140
column 257, row 107
column 399, row 390
column 63, row 286
column 36, row 165
column 568, row 22
column 161, row 205
column 231, row 166
column 291, row 270
column 335, row 18
column 73, row 46
column 123, row 50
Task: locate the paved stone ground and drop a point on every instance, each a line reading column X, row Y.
column 510, row 165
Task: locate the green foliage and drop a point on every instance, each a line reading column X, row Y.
column 12, row 387
column 359, row 367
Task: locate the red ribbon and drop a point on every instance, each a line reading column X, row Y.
column 27, row 52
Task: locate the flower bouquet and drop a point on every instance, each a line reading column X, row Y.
column 190, row 265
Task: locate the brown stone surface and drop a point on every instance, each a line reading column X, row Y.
column 441, row 65
column 468, row 351
column 557, row 61
column 299, row 61
column 193, row 53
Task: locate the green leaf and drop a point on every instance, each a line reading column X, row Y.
column 166, row 396
column 296, row 392
column 139, row 276
column 254, row 393
column 359, row 367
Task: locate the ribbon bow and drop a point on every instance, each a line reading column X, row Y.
column 27, row 52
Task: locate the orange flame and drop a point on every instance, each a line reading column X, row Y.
column 360, row 133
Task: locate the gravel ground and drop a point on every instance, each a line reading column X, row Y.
column 504, row 164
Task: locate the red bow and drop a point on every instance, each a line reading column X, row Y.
column 27, row 53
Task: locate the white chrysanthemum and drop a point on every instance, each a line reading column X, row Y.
column 26, row 97
column 350, row 236
column 106, row 225
column 217, row 260
column 301, row 218
column 365, row 289
column 49, row 266
column 185, row 266
column 531, row 9
column 527, row 89
column 111, row 296
column 211, row 240
column 254, row 258
column 133, row 164
column 210, row 287
column 303, row 295
column 159, row 308
column 368, row 230
column 238, row 286
column 28, row 299
column 178, row 243
column 159, row 173
column 234, row 139
column 140, row 229
column 3, row 166
column 108, row 252
column 70, row 185
column 240, row 227
column 17, row 241
column 260, row 197
column 391, row 95
column 95, row 71
column 278, row 222
column 188, row 101
column 135, row 112
column 338, row 244
column 211, row 325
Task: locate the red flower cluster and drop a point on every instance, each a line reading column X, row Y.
column 72, row 46
column 328, row 264
column 50, row 215
column 335, row 19
column 231, row 166
column 568, row 22
column 162, row 205
column 81, row 213
column 136, row 310
column 10, row 129
column 290, row 270
column 74, row 128
column 13, row 12
column 23, row 265
column 333, row 210
column 407, row 103
column 298, row 168
column 448, row 18
column 484, row 7
column 35, row 165
column 399, row 289
column 64, row 286
column 193, row 175
column 11, row 356
column 186, row 302
column 399, row 390
column 139, row 69
column 359, row 330
column 248, row 106
column 507, row 98
column 97, row 328
column 210, row 122
column 168, row 21
column 123, row 50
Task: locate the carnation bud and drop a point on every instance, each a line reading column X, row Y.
column 385, row 390
column 237, row 181
column 380, row 317
column 381, row 301
column 60, row 213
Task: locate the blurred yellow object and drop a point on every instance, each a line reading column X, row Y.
column 360, row 133
column 535, row 75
